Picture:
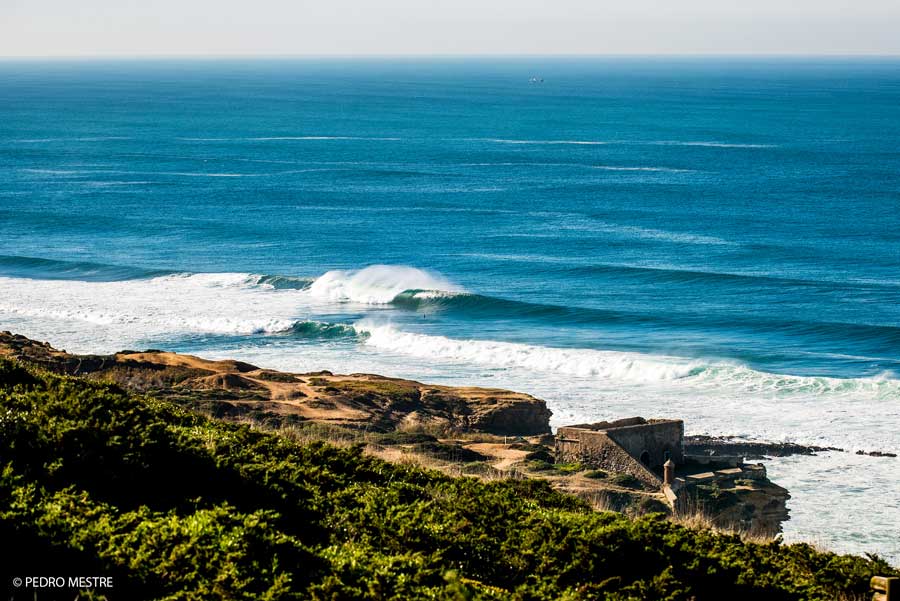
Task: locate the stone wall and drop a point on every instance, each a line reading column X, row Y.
column 656, row 438
column 598, row 450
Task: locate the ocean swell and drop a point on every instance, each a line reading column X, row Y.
column 378, row 284
column 54, row 269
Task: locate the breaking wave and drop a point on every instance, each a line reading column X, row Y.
column 319, row 330
column 284, row 282
column 618, row 365
column 379, row 284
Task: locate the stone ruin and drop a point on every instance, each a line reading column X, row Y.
column 633, row 446
column 652, row 451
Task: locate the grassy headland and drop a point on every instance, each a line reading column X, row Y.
column 176, row 505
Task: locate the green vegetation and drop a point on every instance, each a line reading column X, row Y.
column 540, row 466
column 540, row 455
column 448, row 452
column 394, row 438
column 625, row 481
column 596, row 474
column 569, row 468
column 651, row 505
column 178, row 506
column 397, row 392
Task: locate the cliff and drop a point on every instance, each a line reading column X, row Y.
column 744, row 501
column 233, row 389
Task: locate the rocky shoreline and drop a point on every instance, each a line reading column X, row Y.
column 757, row 450
column 463, row 431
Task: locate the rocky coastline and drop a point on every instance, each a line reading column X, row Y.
column 758, row 450
column 463, row 431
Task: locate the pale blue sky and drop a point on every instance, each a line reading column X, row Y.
column 345, row 27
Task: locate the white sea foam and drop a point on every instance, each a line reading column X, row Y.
column 658, row 169
column 198, row 303
column 706, row 143
column 135, row 310
column 579, row 362
column 300, row 138
column 551, row 142
column 86, row 172
column 81, row 139
column 377, row 284
column 619, row 366
column 645, row 233
column 711, row 144
column 286, row 139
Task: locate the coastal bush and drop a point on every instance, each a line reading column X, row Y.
column 541, row 454
column 401, row 437
column 447, row 451
column 653, row 505
column 595, row 474
column 175, row 505
column 569, row 468
column 540, row 466
column 625, row 481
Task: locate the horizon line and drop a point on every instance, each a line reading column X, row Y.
column 419, row 56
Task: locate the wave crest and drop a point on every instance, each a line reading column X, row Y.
column 320, row 330
column 577, row 362
column 379, row 284
column 619, row 365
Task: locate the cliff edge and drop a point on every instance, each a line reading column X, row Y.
column 233, row 389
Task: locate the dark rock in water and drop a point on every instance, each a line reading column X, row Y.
column 729, row 445
column 876, row 453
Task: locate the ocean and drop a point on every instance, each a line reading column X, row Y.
column 711, row 239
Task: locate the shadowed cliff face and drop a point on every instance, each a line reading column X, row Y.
column 233, row 389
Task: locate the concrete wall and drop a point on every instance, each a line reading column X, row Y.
column 655, row 438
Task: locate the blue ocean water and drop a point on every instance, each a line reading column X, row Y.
column 715, row 239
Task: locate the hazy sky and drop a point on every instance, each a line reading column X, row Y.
column 360, row 27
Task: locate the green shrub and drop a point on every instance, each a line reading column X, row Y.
column 395, row 438
column 569, row 468
column 448, row 452
column 653, row 505
column 540, row 466
column 540, row 455
column 595, row 474
column 625, row 481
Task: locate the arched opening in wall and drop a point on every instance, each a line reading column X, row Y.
column 645, row 458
